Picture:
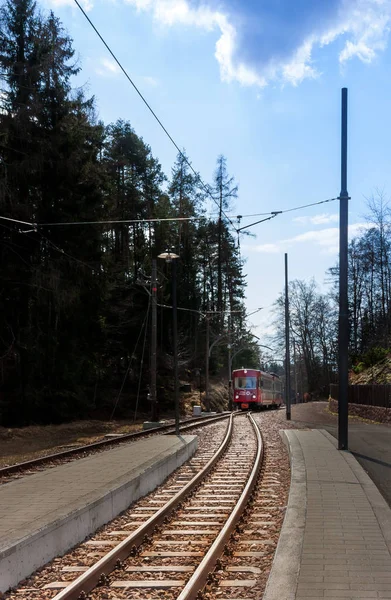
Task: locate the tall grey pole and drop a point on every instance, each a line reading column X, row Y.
column 287, row 356
column 154, row 408
column 175, row 342
column 207, row 401
column 343, row 337
column 229, row 364
column 295, row 370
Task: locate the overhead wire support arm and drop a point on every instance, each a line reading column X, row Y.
column 274, row 214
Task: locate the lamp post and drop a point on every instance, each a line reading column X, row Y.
column 343, row 326
column 207, row 399
column 170, row 257
column 229, row 375
column 287, row 353
column 154, row 407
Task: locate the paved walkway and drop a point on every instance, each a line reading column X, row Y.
column 369, row 442
column 44, row 514
column 371, row 446
column 336, row 537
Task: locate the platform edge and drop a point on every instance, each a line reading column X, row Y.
column 20, row 560
column 282, row 581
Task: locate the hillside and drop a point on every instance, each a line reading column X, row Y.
column 379, row 373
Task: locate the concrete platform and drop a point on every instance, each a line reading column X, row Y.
column 336, row 537
column 44, row 514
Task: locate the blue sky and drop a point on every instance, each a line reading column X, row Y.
column 257, row 81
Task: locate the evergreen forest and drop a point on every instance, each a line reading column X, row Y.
column 85, row 207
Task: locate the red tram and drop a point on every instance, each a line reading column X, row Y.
column 253, row 389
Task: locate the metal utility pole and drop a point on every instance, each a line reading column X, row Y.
column 343, row 337
column 170, row 257
column 175, row 342
column 287, row 356
column 229, row 364
column 295, row 370
column 207, row 401
column 154, row 407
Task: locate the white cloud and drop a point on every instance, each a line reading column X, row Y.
column 327, row 239
column 369, row 26
column 225, row 50
column 299, row 68
column 358, row 228
column 151, row 81
column 267, row 248
column 86, row 4
column 173, row 12
column 107, row 67
column 363, row 25
column 317, row 219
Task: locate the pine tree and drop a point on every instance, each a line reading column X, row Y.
column 50, row 172
column 224, row 190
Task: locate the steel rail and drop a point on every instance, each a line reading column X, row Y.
column 200, row 577
column 28, row 464
column 80, row 587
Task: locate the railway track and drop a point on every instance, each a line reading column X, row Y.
column 184, row 529
column 161, row 553
column 243, row 570
column 9, row 472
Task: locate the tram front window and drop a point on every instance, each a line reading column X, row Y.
column 245, row 383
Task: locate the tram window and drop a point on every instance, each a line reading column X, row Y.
column 245, row 383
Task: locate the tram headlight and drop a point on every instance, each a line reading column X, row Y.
column 254, row 396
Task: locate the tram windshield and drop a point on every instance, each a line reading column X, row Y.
column 245, row 383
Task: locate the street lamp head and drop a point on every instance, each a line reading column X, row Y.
column 168, row 256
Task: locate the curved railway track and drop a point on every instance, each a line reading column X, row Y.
column 178, row 546
column 17, row 469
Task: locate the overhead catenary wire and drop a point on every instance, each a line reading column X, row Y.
column 93, row 269
column 275, row 213
column 308, row 205
column 16, row 221
column 119, row 221
column 107, row 222
column 202, row 184
column 264, row 214
column 270, row 215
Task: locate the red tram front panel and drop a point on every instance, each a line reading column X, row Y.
column 253, row 389
column 246, row 388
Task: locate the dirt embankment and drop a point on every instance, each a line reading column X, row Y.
column 25, row 443
column 377, row 374
column 378, row 414
column 218, row 397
